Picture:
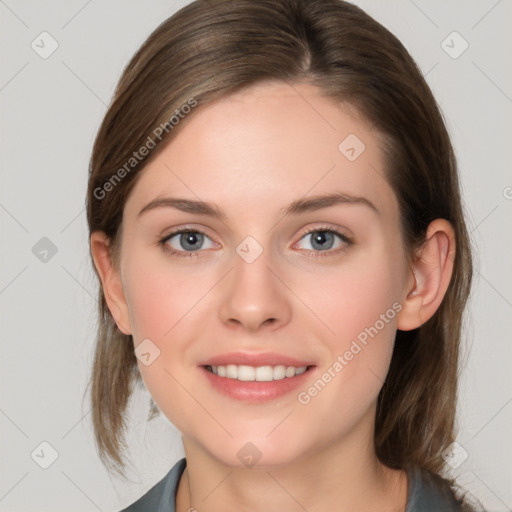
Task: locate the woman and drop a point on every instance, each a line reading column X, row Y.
column 276, row 224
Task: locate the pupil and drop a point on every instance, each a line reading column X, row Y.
column 323, row 239
column 191, row 240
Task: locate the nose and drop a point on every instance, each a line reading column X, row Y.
column 254, row 297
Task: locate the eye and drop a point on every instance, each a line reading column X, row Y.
column 186, row 241
column 323, row 240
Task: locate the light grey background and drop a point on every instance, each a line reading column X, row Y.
column 51, row 109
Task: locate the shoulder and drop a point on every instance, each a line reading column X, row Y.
column 428, row 492
column 161, row 497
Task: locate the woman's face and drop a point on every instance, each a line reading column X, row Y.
column 261, row 283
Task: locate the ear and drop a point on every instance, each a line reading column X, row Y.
column 110, row 277
column 430, row 276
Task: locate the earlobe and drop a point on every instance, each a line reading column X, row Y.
column 431, row 275
column 110, row 280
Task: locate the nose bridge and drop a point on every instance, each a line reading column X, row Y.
column 254, row 295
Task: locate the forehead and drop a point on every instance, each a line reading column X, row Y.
column 268, row 145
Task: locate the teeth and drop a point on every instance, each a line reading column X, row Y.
column 256, row 374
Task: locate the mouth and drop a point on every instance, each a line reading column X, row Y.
column 257, row 384
column 267, row 373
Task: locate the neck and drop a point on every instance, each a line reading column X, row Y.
column 341, row 476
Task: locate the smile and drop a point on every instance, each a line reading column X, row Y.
column 256, row 373
column 257, row 384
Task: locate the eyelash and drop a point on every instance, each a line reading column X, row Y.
column 315, row 254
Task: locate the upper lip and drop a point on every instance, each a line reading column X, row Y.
column 254, row 359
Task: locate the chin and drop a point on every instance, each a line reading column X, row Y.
column 257, row 452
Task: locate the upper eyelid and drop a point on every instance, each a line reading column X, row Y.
column 185, row 229
column 333, row 229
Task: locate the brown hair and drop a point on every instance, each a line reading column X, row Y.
column 208, row 50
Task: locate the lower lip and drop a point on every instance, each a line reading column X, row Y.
column 256, row 392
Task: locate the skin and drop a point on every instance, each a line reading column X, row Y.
column 252, row 154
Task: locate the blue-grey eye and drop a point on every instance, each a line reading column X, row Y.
column 321, row 240
column 188, row 241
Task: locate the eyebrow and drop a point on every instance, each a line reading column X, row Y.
column 299, row 206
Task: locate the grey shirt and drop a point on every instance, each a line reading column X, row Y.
column 425, row 493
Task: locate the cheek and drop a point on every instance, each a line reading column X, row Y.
column 351, row 297
column 165, row 303
column 160, row 295
column 358, row 306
